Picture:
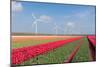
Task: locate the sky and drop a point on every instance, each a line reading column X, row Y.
column 52, row 18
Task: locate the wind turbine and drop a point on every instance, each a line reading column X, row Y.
column 68, row 27
column 42, row 18
column 56, row 28
column 35, row 22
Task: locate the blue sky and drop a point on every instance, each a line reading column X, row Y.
column 66, row 19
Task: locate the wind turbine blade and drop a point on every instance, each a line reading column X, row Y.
column 34, row 23
column 33, row 16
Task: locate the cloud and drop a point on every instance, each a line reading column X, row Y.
column 41, row 18
column 69, row 27
column 70, row 24
column 78, row 15
column 81, row 15
column 45, row 18
column 16, row 6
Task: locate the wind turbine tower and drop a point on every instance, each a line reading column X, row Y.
column 56, row 28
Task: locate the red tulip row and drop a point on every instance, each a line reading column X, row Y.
column 92, row 40
column 21, row 54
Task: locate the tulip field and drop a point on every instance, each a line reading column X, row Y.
column 32, row 50
column 92, row 40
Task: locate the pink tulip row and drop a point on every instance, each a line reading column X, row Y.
column 19, row 55
column 92, row 40
column 92, row 36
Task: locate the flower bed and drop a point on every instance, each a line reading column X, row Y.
column 21, row 54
